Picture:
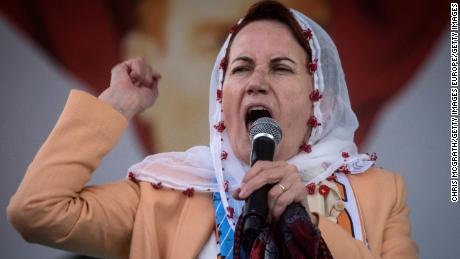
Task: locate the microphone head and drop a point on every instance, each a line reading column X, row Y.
column 266, row 125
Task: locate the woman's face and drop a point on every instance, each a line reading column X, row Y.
column 267, row 75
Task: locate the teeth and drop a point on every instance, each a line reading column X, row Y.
column 257, row 108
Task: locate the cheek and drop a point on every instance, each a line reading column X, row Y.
column 299, row 109
column 298, row 116
column 228, row 104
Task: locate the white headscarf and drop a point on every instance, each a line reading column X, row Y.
column 217, row 169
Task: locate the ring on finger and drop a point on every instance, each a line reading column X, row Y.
column 283, row 188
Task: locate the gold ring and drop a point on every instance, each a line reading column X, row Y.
column 284, row 189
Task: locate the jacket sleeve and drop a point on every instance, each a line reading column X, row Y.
column 396, row 239
column 53, row 207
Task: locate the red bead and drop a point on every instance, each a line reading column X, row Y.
column 312, row 66
column 226, row 186
column 234, row 28
column 223, row 155
column 313, row 122
column 307, row 34
column 343, row 169
column 223, row 63
column 311, row 188
column 132, row 177
column 373, row 157
column 315, row 95
column 219, row 95
column 305, row 148
column 220, row 127
column 332, row 178
column 230, row 212
column 189, row 192
column 157, row 186
column 345, row 154
column 324, row 190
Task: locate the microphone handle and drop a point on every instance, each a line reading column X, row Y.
column 256, row 208
column 255, row 212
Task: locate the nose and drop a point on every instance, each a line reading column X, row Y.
column 258, row 83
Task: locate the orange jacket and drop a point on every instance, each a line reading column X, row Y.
column 125, row 219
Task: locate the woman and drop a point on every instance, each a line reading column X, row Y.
column 277, row 63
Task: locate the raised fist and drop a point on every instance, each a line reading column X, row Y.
column 133, row 87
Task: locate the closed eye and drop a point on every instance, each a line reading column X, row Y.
column 279, row 68
column 240, row 69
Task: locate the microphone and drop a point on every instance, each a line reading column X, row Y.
column 265, row 134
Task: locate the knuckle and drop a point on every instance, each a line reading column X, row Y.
column 116, row 68
column 138, row 59
column 279, row 208
column 272, row 194
column 272, row 178
column 263, row 164
column 291, row 168
column 295, row 177
column 282, row 163
column 282, row 200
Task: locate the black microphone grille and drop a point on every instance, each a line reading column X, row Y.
column 266, row 125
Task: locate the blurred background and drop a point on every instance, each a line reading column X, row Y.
column 395, row 55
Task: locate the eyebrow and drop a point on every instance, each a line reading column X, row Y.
column 250, row 60
column 243, row 58
column 279, row 59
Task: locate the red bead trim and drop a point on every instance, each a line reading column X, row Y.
column 373, row 157
column 324, row 190
column 345, row 154
column 313, row 121
column 226, row 186
column 332, row 178
column 157, row 186
column 189, row 192
column 343, row 169
column 132, row 177
column 311, row 188
column 220, row 126
column 312, row 66
column 234, row 28
column 307, row 34
column 223, row 155
column 219, row 95
column 223, row 63
column 315, row 95
column 305, row 148
column 230, row 212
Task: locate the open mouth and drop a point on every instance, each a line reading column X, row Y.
column 254, row 113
